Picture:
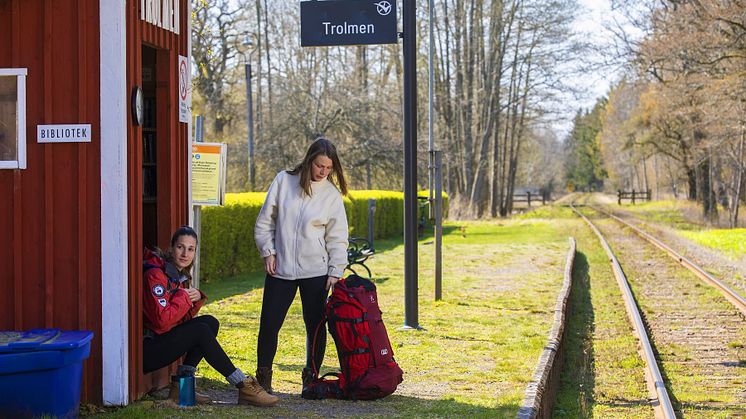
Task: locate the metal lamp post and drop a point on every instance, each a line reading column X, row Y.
column 250, row 109
column 250, row 106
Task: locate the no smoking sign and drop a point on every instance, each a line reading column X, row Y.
column 184, row 108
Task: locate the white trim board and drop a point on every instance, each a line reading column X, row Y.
column 114, row 238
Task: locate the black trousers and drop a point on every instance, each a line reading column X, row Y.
column 195, row 338
column 278, row 295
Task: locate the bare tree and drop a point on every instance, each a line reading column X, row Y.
column 216, row 34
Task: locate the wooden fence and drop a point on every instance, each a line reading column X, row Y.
column 528, row 197
column 634, row 196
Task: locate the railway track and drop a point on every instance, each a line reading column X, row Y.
column 690, row 337
column 729, row 293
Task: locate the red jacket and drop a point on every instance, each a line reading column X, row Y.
column 164, row 300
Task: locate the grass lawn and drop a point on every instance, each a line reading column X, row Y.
column 732, row 242
column 477, row 351
column 680, row 215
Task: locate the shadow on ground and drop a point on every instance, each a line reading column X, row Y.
column 224, row 405
column 577, row 381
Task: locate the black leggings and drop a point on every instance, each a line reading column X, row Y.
column 278, row 295
column 195, row 338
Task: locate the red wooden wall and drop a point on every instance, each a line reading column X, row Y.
column 172, row 156
column 50, row 230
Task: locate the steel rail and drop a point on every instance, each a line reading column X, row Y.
column 737, row 300
column 653, row 375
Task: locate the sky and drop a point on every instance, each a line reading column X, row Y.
column 591, row 22
column 591, row 18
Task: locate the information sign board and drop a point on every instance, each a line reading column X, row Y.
column 347, row 22
column 208, row 173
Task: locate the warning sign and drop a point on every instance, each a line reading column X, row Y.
column 184, row 96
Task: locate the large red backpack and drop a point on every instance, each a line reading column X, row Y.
column 365, row 355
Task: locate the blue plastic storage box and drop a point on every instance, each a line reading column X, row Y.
column 40, row 372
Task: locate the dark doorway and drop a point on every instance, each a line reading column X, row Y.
column 149, row 149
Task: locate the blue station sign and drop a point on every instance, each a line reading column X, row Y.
column 347, row 22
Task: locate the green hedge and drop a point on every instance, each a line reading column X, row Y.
column 227, row 242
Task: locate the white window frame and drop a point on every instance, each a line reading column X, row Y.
column 20, row 74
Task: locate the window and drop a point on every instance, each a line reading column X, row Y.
column 13, row 118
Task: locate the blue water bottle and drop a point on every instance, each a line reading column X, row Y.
column 186, row 390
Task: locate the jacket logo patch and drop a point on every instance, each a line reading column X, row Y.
column 162, row 302
column 158, row 290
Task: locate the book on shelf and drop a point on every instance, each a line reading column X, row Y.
column 148, row 147
column 148, row 112
column 149, row 182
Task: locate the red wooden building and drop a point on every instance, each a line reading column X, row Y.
column 77, row 210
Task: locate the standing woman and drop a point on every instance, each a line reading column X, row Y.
column 301, row 232
column 171, row 329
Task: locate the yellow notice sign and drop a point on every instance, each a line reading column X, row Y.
column 208, row 173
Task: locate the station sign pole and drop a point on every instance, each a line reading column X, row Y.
column 368, row 22
column 409, row 27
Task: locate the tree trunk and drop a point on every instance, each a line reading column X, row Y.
column 691, row 177
column 268, row 50
column 259, row 50
column 738, row 184
column 706, row 193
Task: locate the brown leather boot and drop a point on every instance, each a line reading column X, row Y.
column 264, row 377
column 252, row 393
column 173, row 394
column 307, row 376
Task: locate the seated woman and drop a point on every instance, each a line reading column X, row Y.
column 171, row 329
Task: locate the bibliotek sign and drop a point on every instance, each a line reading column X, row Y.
column 68, row 133
column 345, row 22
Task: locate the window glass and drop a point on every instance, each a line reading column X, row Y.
column 8, row 117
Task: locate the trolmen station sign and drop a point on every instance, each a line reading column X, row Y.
column 347, row 22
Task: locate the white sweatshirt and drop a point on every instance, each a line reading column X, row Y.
column 307, row 235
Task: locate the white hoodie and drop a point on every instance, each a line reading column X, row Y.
column 307, row 235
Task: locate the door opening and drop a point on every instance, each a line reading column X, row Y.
column 149, row 149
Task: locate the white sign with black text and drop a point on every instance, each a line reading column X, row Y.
column 69, row 133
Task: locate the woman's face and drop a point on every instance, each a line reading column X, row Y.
column 321, row 166
column 183, row 251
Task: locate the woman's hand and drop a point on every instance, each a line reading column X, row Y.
column 330, row 281
column 194, row 294
column 270, row 265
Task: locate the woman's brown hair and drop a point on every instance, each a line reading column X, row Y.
column 320, row 147
column 168, row 255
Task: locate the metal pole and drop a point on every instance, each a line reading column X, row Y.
column 410, row 163
column 430, row 116
column 371, row 214
column 199, row 137
column 250, row 118
column 438, row 224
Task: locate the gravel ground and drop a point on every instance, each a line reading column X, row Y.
column 290, row 406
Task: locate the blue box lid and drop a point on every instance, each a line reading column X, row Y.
column 43, row 340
